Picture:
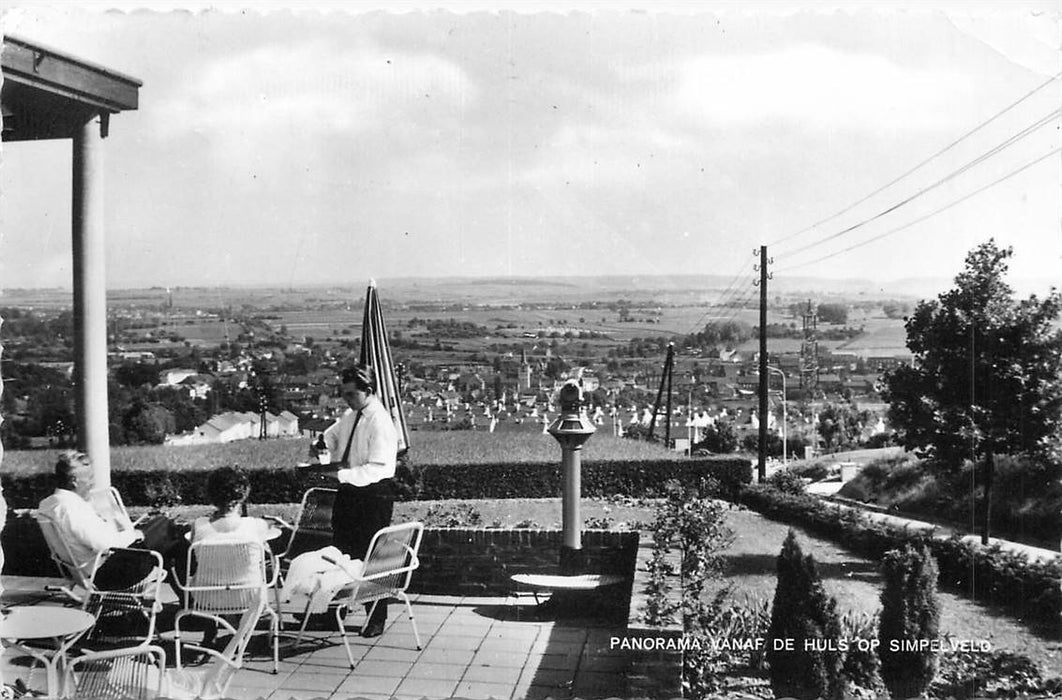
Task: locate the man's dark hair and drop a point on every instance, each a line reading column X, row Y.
column 227, row 487
column 362, row 376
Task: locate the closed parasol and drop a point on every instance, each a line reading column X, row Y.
column 376, row 352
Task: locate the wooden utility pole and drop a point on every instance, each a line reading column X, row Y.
column 764, row 377
column 665, row 380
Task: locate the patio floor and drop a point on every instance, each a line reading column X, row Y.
column 473, row 648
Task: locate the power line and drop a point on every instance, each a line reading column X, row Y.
column 931, row 214
column 942, row 151
column 735, row 283
column 947, row 178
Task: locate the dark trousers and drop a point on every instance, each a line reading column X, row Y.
column 124, row 569
column 359, row 512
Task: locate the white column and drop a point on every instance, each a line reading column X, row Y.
column 90, row 300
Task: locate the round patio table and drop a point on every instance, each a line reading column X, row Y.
column 63, row 626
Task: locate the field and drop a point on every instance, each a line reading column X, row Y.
column 659, row 306
column 454, row 447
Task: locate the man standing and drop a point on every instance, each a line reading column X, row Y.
column 364, row 446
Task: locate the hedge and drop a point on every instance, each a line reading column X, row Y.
column 598, row 479
column 1031, row 589
column 433, row 482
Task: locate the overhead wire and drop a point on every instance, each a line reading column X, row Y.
column 930, row 214
column 723, row 300
column 924, row 162
column 1006, row 143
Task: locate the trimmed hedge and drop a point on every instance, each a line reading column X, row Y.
column 598, row 479
column 463, row 481
column 1033, row 590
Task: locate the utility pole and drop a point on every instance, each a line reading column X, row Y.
column 764, row 378
column 665, row 380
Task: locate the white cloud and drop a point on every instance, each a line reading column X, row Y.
column 814, row 87
column 584, row 154
column 313, row 88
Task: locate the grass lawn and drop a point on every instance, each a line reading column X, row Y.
column 428, row 448
column 856, row 584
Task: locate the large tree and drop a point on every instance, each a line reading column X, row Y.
column 986, row 377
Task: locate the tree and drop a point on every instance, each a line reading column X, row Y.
column 839, row 425
column 148, row 424
column 719, row 438
column 832, row 313
column 804, row 616
column 910, row 612
column 986, row 376
column 135, row 374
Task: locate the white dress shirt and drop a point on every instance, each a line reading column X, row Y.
column 375, row 447
column 84, row 531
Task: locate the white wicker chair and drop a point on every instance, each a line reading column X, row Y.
column 386, row 573
column 142, row 597
column 227, row 578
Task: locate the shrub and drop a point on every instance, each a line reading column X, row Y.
column 452, row 515
column 816, row 471
column 803, row 614
column 994, row 674
column 787, row 482
column 861, row 665
column 719, row 439
column 910, row 612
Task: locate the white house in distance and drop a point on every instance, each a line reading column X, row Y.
column 231, row 426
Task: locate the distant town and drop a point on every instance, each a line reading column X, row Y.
column 190, row 366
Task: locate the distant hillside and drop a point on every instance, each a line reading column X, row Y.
column 666, row 289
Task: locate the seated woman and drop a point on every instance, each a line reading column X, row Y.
column 227, row 490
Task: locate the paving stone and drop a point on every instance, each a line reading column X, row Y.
column 425, row 670
column 320, row 682
column 358, row 685
column 387, row 669
column 492, row 674
column 483, row 691
column 508, row 659
column 554, row 661
column 420, row 687
column 441, row 655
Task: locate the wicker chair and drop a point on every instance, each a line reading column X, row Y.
column 313, row 524
column 107, row 605
column 227, row 578
column 386, row 573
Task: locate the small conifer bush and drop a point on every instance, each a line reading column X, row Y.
column 804, row 617
column 909, row 626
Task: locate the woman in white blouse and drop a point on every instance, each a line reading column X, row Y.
column 228, row 489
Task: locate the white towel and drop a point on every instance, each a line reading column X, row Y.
column 312, row 581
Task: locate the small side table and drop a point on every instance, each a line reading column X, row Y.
column 63, row 626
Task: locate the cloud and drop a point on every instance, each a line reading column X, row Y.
column 314, row 89
column 600, row 155
column 815, row 87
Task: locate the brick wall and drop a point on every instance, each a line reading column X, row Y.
column 478, row 561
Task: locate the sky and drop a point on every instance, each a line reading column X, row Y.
column 308, row 143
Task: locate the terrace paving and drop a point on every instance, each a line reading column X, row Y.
column 474, row 647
